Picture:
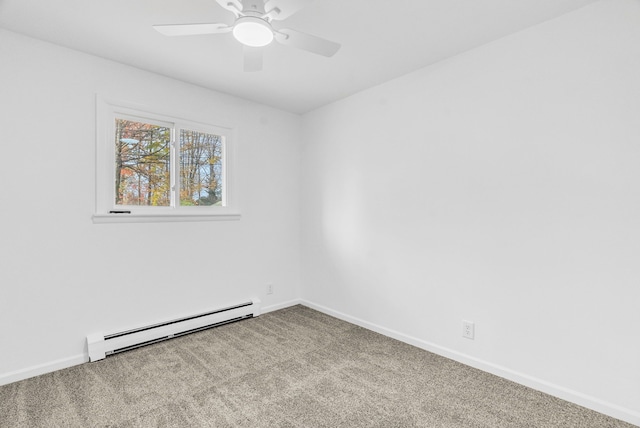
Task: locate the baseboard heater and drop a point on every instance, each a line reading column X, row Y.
column 101, row 345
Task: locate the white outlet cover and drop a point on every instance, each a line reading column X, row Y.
column 468, row 329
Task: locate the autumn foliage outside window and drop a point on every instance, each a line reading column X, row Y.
column 143, row 170
column 200, row 168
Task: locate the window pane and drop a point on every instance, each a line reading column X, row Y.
column 142, row 164
column 200, row 168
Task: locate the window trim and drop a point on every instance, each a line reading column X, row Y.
column 106, row 113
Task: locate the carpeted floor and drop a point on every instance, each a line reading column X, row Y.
column 292, row 368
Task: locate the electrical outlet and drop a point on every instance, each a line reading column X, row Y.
column 269, row 288
column 468, row 329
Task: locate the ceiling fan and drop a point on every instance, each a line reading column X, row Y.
column 253, row 28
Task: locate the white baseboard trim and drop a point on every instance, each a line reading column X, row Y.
column 40, row 369
column 584, row 400
column 567, row 394
column 282, row 305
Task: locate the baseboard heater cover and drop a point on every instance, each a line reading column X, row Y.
column 100, row 345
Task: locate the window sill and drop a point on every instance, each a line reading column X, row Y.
column 162, row 218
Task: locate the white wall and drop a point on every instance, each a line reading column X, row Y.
column 503, row 187
column 62, row 276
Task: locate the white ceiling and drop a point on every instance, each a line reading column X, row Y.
column 381, row 39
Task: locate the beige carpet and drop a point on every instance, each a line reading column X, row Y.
column 292, row 368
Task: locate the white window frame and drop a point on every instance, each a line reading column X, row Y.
column 107, row 112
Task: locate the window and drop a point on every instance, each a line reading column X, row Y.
column 153, row 167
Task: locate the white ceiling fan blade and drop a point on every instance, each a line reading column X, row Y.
column 191, row 29
column 234, row 6
column 307, row 42
column 252, row 58
column 286, row 7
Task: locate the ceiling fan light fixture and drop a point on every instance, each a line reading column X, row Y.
column 252, row 31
